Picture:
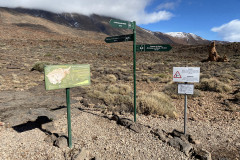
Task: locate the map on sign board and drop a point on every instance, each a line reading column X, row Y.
column 185, row 88
column 66, row 76
column 186, row 74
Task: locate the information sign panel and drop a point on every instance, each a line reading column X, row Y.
column 66, row 76
column 153, row 47
column 122, row 38
column 186, row 74
column 185, row 88
column 121, row 24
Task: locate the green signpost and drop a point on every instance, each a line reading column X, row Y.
column 123, row 38
column 153, row 47
column 67, row 76
column 121, row 24
column 132, row 37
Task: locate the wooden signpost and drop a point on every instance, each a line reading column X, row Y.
column 136, row 48
column 67, row 76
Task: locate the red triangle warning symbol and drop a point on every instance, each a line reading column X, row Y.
column 177, row 75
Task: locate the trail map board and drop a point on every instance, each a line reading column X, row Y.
column 66, row 76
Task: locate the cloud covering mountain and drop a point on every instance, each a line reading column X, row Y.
column 124, row 9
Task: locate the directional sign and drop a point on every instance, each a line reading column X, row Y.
column 153, row 47
column 122, row 38
column 186, row 74
column 121, row 24
column 185, row 88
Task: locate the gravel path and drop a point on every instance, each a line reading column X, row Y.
column 105, row 139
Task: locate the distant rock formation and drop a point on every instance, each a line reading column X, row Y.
column 214, row 56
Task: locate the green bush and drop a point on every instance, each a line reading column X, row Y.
column 39, row 66
column 213, row 84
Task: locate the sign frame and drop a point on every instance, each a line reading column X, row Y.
column 121, row 38
column 185, row 88
column 121, row 24
column 186, row 74
column 71, row 72
column 153, row 47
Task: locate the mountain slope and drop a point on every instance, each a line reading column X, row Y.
column 95, row 23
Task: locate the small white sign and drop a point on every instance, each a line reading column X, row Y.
column 185, row 88
column 186, row 74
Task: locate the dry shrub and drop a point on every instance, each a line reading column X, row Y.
column 213, row 84
column 119, row 89
column 155, row 103
column 115, row 94
column 39, row 66
column 119, row 97
column 111, row 78
column 226, row 78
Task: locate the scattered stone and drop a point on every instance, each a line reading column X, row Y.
column 96, row 158
column 136, row 127
column 76, row 154
column 181, row 145
column 202, row 154
column 2, row 123
column 83, row 155
column 175, row 142
column 115, row 117
column 226, row 102
column 61, row 142
column 162, row 135
column 85, row 102
column 48, row 127
column 125, row 122
column 51, row 138
column 193, row 140
column 186, row 148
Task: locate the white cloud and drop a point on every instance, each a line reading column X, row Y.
column 124, row 9
column 229, row 31
column 168, row 5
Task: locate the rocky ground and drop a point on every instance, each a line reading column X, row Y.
column 33, row 121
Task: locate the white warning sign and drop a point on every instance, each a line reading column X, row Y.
column 186, row 74
column 185, row 88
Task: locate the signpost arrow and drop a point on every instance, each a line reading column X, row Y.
column 122, row 38
column 153, row 47
column 121, row 24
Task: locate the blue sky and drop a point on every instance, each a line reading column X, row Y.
column 199, row 17
column 210, row 19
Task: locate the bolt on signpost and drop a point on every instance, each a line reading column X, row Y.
column 124, row 38
column 67, row 76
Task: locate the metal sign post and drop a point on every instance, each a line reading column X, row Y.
column 69, row 118
column 186, row 74
column 134, row 70
column 136, row 48
column 67, row 76
column 185, row 115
